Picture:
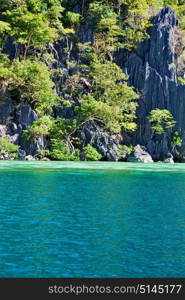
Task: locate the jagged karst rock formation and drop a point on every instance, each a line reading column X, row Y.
column 106, row 145
column 152, row 69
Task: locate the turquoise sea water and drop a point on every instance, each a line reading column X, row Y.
column 61, row 219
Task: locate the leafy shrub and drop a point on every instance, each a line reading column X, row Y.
column 181, row 80
column 43, row 153
column 91, row 153
column 123, row 151
column 30, row 80
column 176, row 140
column 34, row 23
column 39, row 128
column 161, row 120
column 8, row 149
column 73, row 18
column 33, row 81
column 112, row 100
column 60, row 151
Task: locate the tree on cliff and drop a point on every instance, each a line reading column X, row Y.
column 161, row 120
column 87, row 77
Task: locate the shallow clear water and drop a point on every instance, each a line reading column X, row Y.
column 61, row 219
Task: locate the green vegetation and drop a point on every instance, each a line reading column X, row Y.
column 7, row 150
column 60, row 151
column 181, row 80
column 29, row 80
column 39, row 128
column 161, row 120
column 176, row 140
column 123, row 151
column 91, row 153
column 111, row 100
column 94, row 82
column 34, row 23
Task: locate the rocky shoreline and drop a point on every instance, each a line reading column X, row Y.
column 153, row 70
column 138, row 155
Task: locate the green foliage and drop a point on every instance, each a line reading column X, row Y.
column 111, row 99
column 5, row 70
column 60, row 151
column 30, row 80
column 180, row 10
column 136, row 22
column 176, row 140
column 91, row 153
column 105, row 74
column 86, row 55
column 73, row 18
column 8, row 149
column 59, row 133
column 30, row 29
column 156, row 3
column 123, row 151
column 181, row 80
column 64, row 128
column 41, row 127
column 161, row 120
column 108, row 30
column 33, row 80
column 34, row 23
column 98, row 11
column 43, row 153
column 171, row 2
column 130, row 20
column 4, row 27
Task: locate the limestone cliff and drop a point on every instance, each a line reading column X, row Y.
column 152, row 69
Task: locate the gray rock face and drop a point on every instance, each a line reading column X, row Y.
column 106, row 145
column 13, row 120
column 140, row 155
column 6, row 107
column 33, row 146
column 26, row 116
column 152, row 71
column 21, row 154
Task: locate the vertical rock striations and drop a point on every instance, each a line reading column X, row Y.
column 152, row 71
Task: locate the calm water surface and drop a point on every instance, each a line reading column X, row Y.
column 60, row 219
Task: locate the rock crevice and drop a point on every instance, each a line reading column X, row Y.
column 152, row 70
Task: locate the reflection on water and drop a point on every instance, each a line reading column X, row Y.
column 92, row 220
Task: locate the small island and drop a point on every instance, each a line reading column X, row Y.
column 92, row 139
column 92, row 80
